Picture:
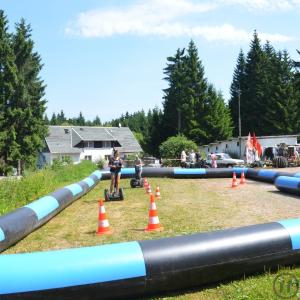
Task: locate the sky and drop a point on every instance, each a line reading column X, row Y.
column 107, row 57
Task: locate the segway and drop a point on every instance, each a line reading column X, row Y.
column 115, row 195
column 138, row 181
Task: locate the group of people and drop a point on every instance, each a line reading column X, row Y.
column 193, row 158
column 190, row 157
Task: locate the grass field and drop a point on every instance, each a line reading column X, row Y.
column 186, row 206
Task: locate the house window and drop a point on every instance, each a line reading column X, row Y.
column 237, row 143
column 107, row 144
column 98, row 144
column 217, row 148
column 208, row 149
column 88, row 144
column 88, row 157
column 226, row 146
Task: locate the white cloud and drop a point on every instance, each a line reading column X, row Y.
column 262, row 5
column 165, row 18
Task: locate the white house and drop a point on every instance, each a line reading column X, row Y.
column 232, row 146
column 89, row 143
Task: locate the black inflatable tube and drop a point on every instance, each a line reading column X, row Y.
column 19, row 223
column 135, row 269
column 152, row 267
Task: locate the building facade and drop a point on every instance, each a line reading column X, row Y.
column 233, row 146
column 87, row 143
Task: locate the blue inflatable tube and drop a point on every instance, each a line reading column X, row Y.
column 288, row 184
column 142, row 268
column 138, row 269
column 19, row 223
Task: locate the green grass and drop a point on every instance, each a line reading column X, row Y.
column 15, row 193
column 186, row 206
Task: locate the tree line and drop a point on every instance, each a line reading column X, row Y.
column 61, row 119
column 265, row 81
column 22, row 103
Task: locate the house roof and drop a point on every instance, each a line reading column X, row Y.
column 59, row 139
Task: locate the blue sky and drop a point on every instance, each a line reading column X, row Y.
column 107, row 57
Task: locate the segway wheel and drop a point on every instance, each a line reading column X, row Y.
column 132, row 183
column 141, row 182
column 121, row 193
column 106, row 195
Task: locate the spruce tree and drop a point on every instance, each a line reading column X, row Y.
column 28, row 105
column 196, row 94
column 236, row 88
column 80, row 121
column 218, row 122
column 97, row 121
column 252, row 104
column 53, row 120
column 9, row 148
column 174, row 96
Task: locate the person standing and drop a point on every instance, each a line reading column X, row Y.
column 183, row 159
column 138, row 167
column 115, row 164
column 213, row 160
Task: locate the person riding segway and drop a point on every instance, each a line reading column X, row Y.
column 138, row 181
column 115, row 165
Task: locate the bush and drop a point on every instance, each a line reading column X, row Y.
column 101, row 163
column 16, row 193
column 173, row 146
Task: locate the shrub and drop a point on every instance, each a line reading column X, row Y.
column 173, row 146
column 15, row 193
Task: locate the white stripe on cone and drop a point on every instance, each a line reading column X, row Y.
column 152, row 206
column 102, row 209
column 103, row 223
column 154, row 220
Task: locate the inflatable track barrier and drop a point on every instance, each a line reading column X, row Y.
column 143, row 268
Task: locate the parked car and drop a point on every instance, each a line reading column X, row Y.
column 225, row 161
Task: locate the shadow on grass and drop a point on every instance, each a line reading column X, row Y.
column 294, row 196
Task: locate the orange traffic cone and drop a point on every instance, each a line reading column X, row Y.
column 153, row 224
column 148, row 191
column 234, row 181
column 157, row 193
column 243, row 179
column 145, row 182
column 103, row 225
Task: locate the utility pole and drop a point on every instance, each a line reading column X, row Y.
column 240, row 122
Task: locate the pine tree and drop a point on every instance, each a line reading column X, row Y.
column 97, row 121
column 236, row 88
column 154, row 137
column 174, row 95
column 46, row 120
column 9, row 148
column 53, row 120
column 252, row 102
column 218, row 120
column 29, row 105
column 80, row 121
column 61, row 118
column 196, row 93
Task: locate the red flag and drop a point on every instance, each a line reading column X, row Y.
column 256, row 145
column 254, row 141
